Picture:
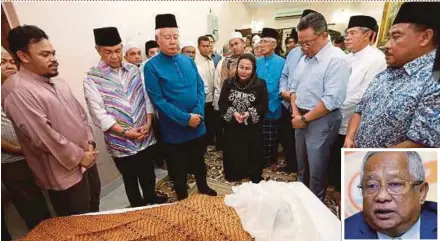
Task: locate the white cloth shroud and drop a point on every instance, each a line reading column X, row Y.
column 271, row 211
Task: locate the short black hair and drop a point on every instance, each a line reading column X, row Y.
column 294, row 35
column 316, row 21
column 20, row 37
column 339, row 39
column 286, row 41
column 202, row 38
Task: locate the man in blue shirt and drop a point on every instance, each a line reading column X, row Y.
column 269, row 68
column 287, row 133
column 318, row 90
column 401, row 107
column 394, row 192
column 176, row 90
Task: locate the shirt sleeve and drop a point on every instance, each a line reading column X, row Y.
column 31, row 121
column 205, row 83
column 375, row 68
column 157, row 97
column 425, row 126
column 284, row 77
column 96, row 106
column 217, row 84
column 85, row 119
column 200, row 108
column 335, row 84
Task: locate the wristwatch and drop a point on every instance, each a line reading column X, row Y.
column 93, row 144
column 123, row 132
column 303, row 119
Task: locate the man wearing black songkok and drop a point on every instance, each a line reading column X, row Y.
column 400, row 108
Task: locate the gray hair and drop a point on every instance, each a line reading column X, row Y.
column 315, row 21
column 415, row 164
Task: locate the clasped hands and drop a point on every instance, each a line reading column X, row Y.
column 240, row 118
column 297, row 122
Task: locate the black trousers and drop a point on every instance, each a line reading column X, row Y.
column 210, row 123
column 335, row 163
column 179, row 156
column 159, row 158
column 26, row 196
column 5, row 232
column 138, row 169
column 82, row 197
column 218, row 130
column 287, row 139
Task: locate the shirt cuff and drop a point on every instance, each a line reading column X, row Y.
column 328, row 104
column 107, row 123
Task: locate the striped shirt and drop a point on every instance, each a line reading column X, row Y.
column 8, row 134
column 117, row 96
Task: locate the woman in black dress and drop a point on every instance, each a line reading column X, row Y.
column 243, row 104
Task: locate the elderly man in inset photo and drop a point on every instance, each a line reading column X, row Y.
column 394, row 194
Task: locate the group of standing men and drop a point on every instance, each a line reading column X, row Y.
column 321, row 99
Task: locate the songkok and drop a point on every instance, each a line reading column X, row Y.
column 129, row 46
column 269, row 33
column 149, row 45
column 108, row 36
column 425, row 13
column 362, row 21
column 166, row 21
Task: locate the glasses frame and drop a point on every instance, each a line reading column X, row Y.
column 412, row 184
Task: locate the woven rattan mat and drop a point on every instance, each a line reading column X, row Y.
column 199, row 217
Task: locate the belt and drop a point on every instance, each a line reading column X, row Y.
column 303, row 111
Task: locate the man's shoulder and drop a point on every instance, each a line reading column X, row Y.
column 356, row 228
column 430, row 206
column 355, row 219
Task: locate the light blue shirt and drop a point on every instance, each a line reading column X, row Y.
column 269, row 69
column 292, row 61
column 321, row 77
column 412, row 233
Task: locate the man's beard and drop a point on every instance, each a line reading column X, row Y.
column 50, row 75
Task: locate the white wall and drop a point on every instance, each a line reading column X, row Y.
column 265, row 13
column 70, row 25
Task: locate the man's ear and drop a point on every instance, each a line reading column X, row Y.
column 427, row 36
column 23, row 57
column 424, row 188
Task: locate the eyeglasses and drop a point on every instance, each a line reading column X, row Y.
column 307, row 44
column 398, row 187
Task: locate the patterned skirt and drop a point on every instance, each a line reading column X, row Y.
column 270, row 139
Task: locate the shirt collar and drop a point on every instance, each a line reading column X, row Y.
column 412, row 233
column 321, row 54
column 415, row 65
column 269, row 57
column 107, row 69
column 35, row 76
column 362, row 51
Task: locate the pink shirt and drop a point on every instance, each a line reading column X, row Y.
column 51, row 126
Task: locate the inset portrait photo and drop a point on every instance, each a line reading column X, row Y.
column 390, row 194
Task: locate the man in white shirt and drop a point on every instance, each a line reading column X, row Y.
column 132, row 53
column 207, row 72
column 365, row 63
